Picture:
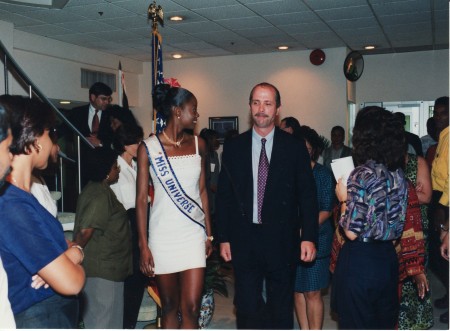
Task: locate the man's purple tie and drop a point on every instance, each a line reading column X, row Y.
column 263, row 170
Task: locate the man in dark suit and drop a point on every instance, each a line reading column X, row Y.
column 266, row 194
column 337, row 149
column 93, row 120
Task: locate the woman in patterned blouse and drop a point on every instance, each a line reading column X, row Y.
column 372, row 217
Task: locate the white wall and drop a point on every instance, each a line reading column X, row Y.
column 415, row 76
column 316, row 95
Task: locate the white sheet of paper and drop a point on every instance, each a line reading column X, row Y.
column 342, row 168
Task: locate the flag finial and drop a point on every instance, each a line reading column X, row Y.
column 156, row 14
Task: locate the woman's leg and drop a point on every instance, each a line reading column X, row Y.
column 314, row 309
column 300, row 310
column 191, row 283
column 169, row 292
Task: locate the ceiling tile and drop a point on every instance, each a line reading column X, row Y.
column 345, row 13
column 305, row 28
column 85, row 26
column 18, row 20
column 225, row 12
column 277, row 7
column 292, row 18
column 261, row 32
column 212, row 52
column 54, row 16
column 92, row 11
column 355, row 23
column 46, row 30
column 405, row 18
column 141, row 6
column 401, row 7
column 330, row 4
column 244, row 23
column 197, row 27
column 129, row 22
column 197, row 4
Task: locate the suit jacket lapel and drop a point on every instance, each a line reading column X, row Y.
column 248, row 169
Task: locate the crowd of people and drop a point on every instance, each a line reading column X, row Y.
column 158, row 207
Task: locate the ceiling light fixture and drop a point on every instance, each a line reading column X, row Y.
column 177, row 56
column 176, row 18
column 368, row 47
column 64, row 102
column 283, row 48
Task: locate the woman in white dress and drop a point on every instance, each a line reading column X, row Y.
column 179, row 238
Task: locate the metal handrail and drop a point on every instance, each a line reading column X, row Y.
column 11, row 65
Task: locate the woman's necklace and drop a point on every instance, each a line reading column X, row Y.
column 175, row 143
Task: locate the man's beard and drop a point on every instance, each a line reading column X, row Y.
column 2, row 180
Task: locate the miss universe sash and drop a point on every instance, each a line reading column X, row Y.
column 168, row 179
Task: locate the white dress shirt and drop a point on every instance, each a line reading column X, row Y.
column 125, row 188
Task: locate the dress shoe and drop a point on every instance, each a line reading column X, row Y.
column 444, row 318
column 441, row 303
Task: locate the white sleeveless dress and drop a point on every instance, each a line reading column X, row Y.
column 176, row 242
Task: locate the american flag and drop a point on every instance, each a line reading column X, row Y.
column 159, row 122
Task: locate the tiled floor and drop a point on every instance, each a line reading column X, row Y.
column 224, row 317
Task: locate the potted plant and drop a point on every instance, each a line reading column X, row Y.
column 214, row 282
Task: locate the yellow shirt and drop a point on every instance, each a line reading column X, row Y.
column 439, row 169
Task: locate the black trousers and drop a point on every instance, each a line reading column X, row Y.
column 252, row 311
column 365, row 285
column 437, row 263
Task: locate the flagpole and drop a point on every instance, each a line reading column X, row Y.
column 155, row 13
column 120, row 85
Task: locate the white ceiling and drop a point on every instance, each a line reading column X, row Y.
column 227, row 27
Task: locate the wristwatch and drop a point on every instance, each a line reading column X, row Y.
column 210, row 238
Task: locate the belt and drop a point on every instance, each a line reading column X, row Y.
column 368, row 240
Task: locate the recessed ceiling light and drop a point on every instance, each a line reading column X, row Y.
column 64, row 102
column 176, row 18
column 369, row 47
column 283, row 48
column 177, row 56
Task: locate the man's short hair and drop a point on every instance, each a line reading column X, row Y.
column 100, row 88
column 338, row 128
column 264, row 84
column 442, row 101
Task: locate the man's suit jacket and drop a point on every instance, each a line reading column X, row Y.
column 289, row 203
column 79, row 118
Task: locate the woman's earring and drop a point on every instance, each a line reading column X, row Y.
column 178, row 116
column 107, row 177
column 39, row 147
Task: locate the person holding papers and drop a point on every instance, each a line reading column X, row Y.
column 179, row 229
column 373, row 206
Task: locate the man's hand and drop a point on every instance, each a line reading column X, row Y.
column 225, row 251
column 307, row 251
column 94, row 140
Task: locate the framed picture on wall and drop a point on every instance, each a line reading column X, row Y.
column 223, row 124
